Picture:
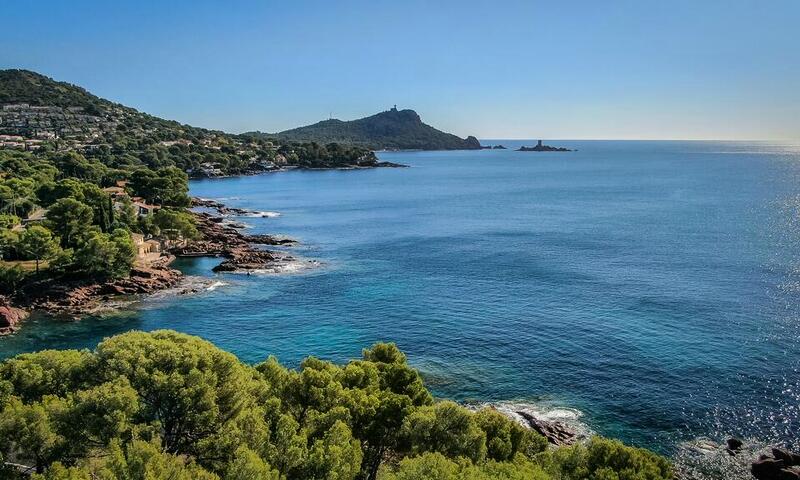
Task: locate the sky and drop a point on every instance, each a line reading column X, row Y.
column 727, row 70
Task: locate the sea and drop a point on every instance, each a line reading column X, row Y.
column 647, row 290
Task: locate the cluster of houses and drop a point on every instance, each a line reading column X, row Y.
column 146, row 248
column 49, row 122
column 20, row 143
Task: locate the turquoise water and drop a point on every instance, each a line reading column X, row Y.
column 650, row 285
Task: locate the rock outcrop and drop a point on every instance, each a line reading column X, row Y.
column 223, row 209
column 782, row 465
column 10, row 317
column 733, row 446
column 264, row 239
column 540, row 147
column 223, row 240
column 75, row 299
column 556, row 433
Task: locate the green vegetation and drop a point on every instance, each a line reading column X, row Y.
column 71, row 221
column 57, row 196
column 22, row 86
column 165, row 405
column 37, row 243
column 68, row 119
column 392, row 129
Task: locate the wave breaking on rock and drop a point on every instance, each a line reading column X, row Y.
column 558, row 424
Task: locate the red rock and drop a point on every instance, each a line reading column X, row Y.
column 10, row 317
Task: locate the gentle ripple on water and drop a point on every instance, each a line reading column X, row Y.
column 652, row 286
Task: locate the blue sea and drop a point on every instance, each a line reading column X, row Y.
column 649, row 287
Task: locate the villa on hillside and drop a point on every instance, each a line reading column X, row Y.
column 115, row 192
column 118, row 193
column 146, row 247
column 143, row 208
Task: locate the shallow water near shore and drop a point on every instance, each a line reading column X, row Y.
column 650, row 286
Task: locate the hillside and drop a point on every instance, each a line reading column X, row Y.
column 393, row 130
column 23, row 86
column 40, row 114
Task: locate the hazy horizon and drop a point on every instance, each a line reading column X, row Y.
column 621, row 71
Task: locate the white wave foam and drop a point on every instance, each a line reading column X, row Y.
column 544, row 411
column 189, row 285
column 262, row 214
column 706, row 459
column 216, row 285
column 284, row 268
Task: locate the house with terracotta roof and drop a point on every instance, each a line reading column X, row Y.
column 143, row 208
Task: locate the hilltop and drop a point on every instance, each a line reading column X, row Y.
column 94, row 196
column 38, row 113
column 391, row 130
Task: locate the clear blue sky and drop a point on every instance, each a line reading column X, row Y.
column 527, row 69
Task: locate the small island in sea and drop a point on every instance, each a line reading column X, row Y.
column 540, row 147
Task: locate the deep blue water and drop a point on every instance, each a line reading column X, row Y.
column 650, row 285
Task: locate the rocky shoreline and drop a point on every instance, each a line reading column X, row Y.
column 560, row 426
column 72, row 299
column 258, row 170
column 240, row 251
column 556, row 433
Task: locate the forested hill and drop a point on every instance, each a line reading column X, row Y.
column 23, row 86
column 392, row 129
column 39, row 114
column 32, row 102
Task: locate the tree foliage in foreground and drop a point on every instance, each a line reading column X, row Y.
column 165, row 405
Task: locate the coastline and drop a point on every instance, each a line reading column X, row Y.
column 72, row 299
column 289, row 168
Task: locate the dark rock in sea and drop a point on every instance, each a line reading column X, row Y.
column 263, row 239
column 556, row 433
column 734, row 444
column 766, row 468
column 542, row 148
column 498, row 147
column 246, row 259
column 783, row 465
column 788, row 458
column 390, row 165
